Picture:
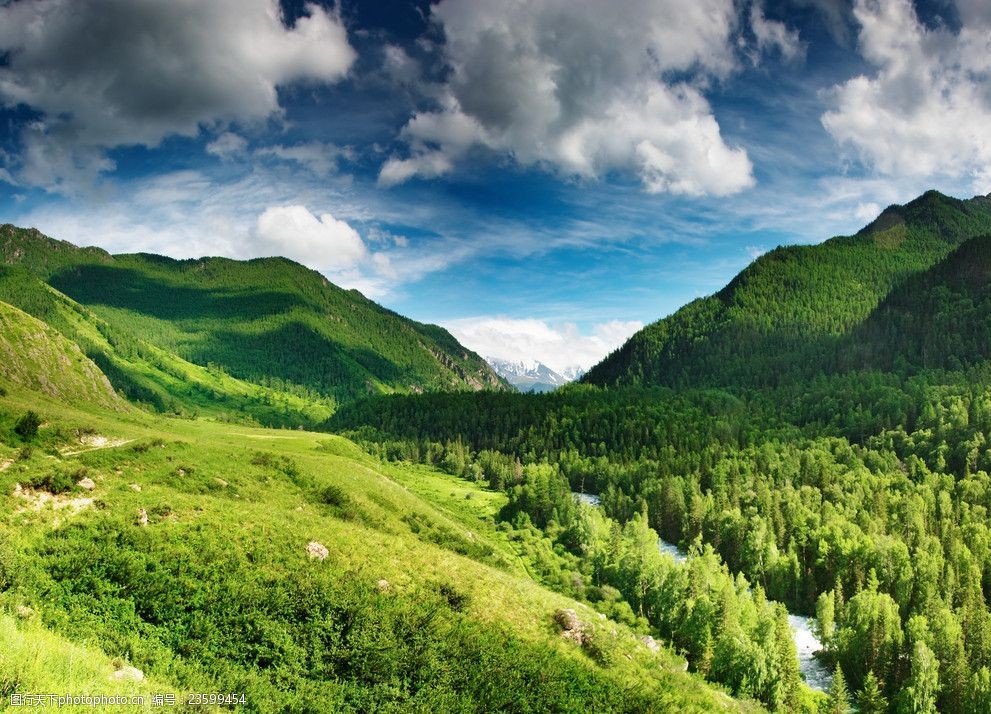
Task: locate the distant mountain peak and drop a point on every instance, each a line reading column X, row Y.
column 531, row 375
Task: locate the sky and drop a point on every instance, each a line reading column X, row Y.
column 541, row 177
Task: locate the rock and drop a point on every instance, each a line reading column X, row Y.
column 221, row 482
column 571, row 627
column 86, row 483
column 384, row 585
column 650, row 643
column 317, row 550
column 24, row 612
column 18, row 490
column 142, row 517
column 567, row 620
column 135, row 487
column 128, row 674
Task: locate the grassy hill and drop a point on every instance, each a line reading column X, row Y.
column 151, row 376
column 286, row 566
column 268, row 321
column 35, row 356
column 785, row 314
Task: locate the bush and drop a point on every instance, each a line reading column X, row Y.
column 27, row 426
column 54, row 482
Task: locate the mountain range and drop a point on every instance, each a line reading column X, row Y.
column 813, row 434
column 533, row 376
column 268, row 322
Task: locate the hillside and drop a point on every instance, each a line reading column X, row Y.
column 783, row 316
column 140, row 554
column 36, row 357
column 153, row 377
column 940, row 318
column 267, row 321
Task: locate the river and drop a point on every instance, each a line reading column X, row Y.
column 806, row 642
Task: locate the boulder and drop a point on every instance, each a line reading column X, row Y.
column 317, row 550
column 86, row 483
column 650, row 643
column 128, row 674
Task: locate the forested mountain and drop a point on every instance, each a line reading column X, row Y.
column 784, row 316
column 268, row 321
column 940, row 318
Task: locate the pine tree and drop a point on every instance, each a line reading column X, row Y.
column 871, row 699
column 839, row 696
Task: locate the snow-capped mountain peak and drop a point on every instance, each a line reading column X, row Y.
column 531, row 375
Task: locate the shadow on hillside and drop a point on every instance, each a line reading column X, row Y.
column 297, row 353
column 131, row 289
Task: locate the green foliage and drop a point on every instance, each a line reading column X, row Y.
column 27, row 426
column 839, row 697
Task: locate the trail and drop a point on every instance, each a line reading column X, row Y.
column 108, row 445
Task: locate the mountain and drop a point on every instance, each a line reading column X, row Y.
column 940, row 318
column 270, row 321
column 532, row 376
column 786, row 314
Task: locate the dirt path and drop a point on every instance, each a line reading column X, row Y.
column 107, row 444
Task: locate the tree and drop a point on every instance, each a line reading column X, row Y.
column 839, row 696
column 871, row 699
column 919, row 697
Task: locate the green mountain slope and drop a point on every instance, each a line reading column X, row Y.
column 35, row 356
column 267, row 321
column 937, row 319
column 784, row 315
column 149, row 375
column 286, row 567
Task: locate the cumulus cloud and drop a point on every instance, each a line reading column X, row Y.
column 925, row 109
column 563, row 85
column 559, row 346
column 294, row 232
column 106, row 73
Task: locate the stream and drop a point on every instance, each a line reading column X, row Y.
column 806, row 642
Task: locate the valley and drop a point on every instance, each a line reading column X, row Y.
column 182, row 515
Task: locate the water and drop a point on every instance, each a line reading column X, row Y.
column 590, row 498
column 816, row 675
column 806, row 642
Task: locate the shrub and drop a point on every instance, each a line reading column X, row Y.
column 27, row 426
column 54, row 481
column 457, row 601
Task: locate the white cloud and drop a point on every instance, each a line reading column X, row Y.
column 867, row 212
column 771, row 34
column 564, row 85
column 108, row 73
column 227, row 145
column 319, row 157
column 294, row 232
column 925, row 110
column 559, row 346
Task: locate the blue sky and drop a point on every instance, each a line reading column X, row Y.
column 542, row 177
